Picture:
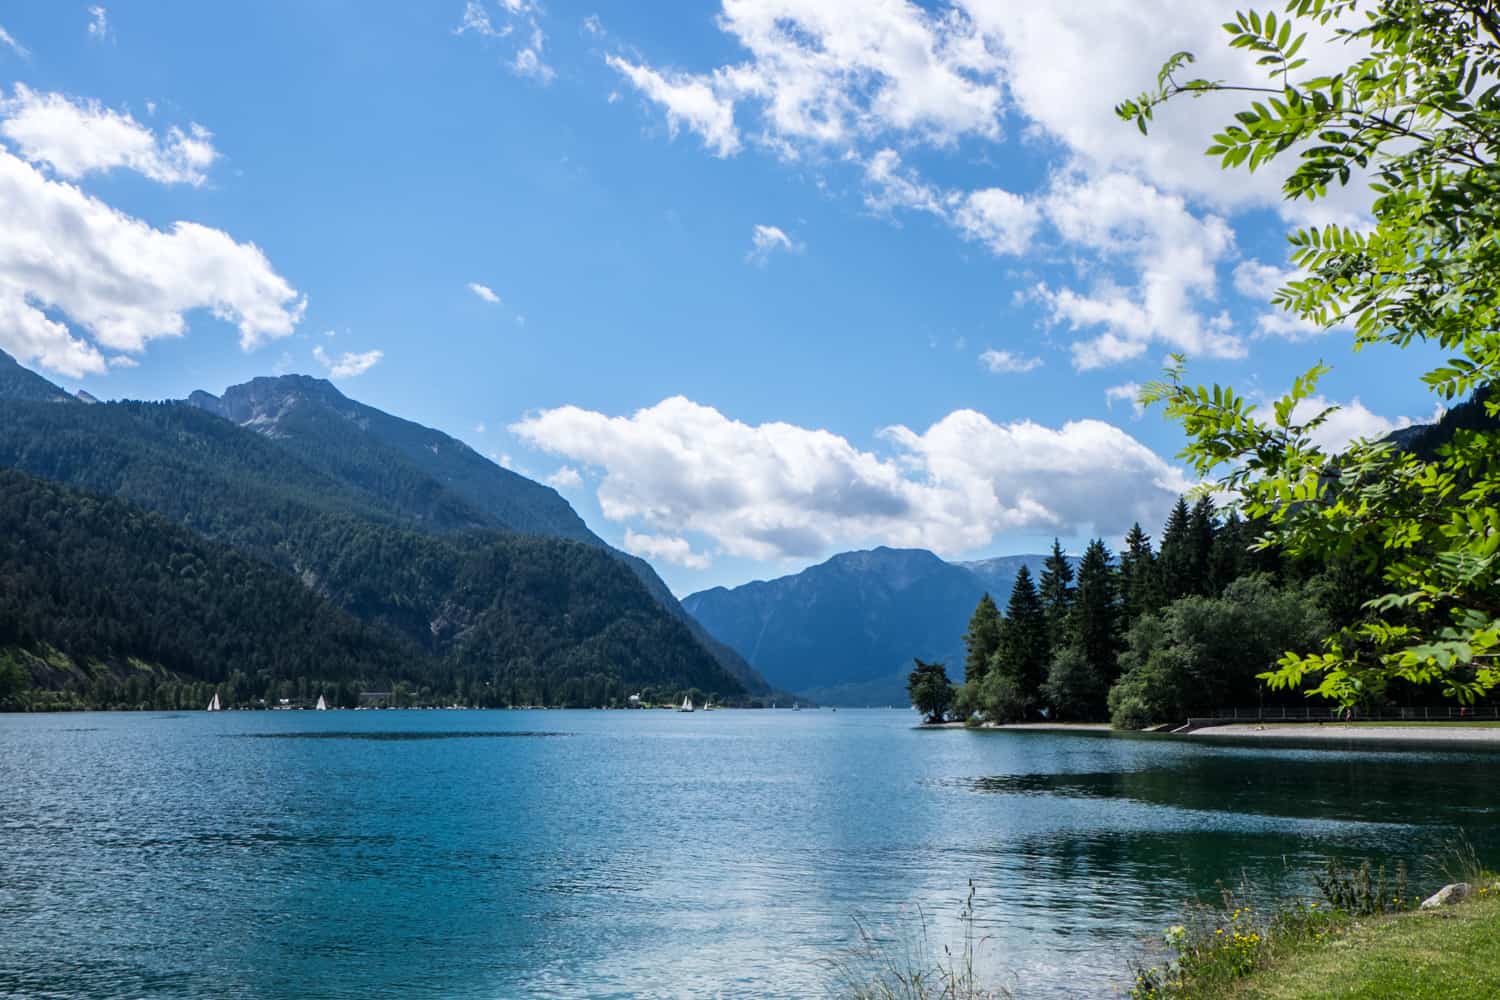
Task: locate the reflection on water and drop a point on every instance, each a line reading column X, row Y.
column 421, row 854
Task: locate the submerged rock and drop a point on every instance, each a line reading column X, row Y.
column 1446, row 896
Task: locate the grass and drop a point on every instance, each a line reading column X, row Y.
column 1447, row 954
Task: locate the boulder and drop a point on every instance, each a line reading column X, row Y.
column 1446, row 896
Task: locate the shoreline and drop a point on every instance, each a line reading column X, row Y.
column 1456, row 732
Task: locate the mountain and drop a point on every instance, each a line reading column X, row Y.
column 425, row 474
column 362, row 525
column 120, row 607
column 844, row 632
column 17, row 382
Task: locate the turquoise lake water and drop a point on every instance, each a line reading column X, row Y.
column 506, row 854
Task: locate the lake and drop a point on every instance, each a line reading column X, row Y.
column 501, row 854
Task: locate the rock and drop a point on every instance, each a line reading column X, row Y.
column 1446, row 896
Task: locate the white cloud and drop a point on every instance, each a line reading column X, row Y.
column 853, row 82
column 766, row 240
column 565, row 478
column 667, row 548
column 778, row 490
column 76, row 138
column 7, row 40
column 1128, row 392
column 821, row 73
column 477, row 20
column 65, row 254
column 1351, row 422
column 1003, row 221
column 689, row 101
column 520, row 21
column 1171, row 254
column 98, row 23
column 1006, row 362
column 484, row 292
column 348, row 364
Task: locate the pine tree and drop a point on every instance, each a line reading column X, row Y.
column 1202, row 527
column 1230, row 555
column 1094, row 625
column 981, row 640
column 1057, row 590
column 1174, row 564
column 1139, row 594
column 1024, row 646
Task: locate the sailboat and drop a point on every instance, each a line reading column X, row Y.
column 322, row 705
column 796, row 707
column 687, row 704
column 214, row 706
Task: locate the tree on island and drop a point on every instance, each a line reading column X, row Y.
column 930, row 691
column 1411, row 114
column 1012, row 689
column 981, row 640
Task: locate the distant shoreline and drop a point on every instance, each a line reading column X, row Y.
column 1332, row 732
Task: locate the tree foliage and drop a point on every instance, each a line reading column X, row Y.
column 981, row 640
column 1414, row 115
column 930, row 691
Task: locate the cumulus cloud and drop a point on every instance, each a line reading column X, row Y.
column 484, row 292
column 75, row 138
column 120, row 281
column 779, row 490
column 1128, row 392
column 667, row 548
column 348, row 364
column 824, row 74
column 1352, row 421
column 1006, row 362
column 565, row 478
column 852, row 83
column 766, row 240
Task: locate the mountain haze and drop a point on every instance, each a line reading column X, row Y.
column 844, row 632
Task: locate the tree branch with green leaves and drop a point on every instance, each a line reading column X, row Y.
column 1415, row 117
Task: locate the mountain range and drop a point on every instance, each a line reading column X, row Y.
column 845, row 632
column 489, row 584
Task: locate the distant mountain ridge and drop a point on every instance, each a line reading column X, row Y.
column 347, row 501
column 844, row 632
column 399, row 461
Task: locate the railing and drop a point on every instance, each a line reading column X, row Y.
column 1442, row 713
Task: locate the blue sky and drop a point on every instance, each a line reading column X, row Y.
column 766, row 280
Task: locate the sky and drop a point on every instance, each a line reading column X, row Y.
column 749, row 282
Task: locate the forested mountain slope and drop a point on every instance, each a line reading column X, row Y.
column 542, row 618
column 422, row 473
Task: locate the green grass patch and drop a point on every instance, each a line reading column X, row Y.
column 1447, row 954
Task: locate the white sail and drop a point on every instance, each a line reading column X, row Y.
column 213, row 706
column 322, row 705
column 687, row 704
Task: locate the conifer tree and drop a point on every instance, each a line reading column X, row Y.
column 1024, row 646
column 1230, row 553
column 1138, row 590
column 1202, row 527
column 1057, row 590
column 981, row 640
column 1174, row 564
column 1095, row 621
